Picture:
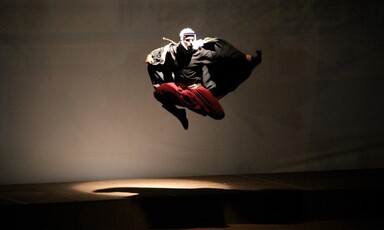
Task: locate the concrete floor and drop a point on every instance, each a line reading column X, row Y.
column 350, row 199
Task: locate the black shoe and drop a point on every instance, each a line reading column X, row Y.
column 182, row 116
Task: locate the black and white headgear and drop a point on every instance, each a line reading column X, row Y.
column 187, row 32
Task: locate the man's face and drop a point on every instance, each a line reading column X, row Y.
column 188, row 41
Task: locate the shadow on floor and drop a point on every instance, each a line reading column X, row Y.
column 190, row 208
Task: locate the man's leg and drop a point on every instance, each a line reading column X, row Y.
column 209, row 102
column 199, row 100
column 170, row 93
column 166, row 95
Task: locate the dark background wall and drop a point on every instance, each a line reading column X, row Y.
column 76, row 102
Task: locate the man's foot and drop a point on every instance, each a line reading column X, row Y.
column 182, row 116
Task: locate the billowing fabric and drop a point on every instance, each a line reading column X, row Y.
column 229, row 71
column 222, row 73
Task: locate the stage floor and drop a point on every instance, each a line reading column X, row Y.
column 348, row 199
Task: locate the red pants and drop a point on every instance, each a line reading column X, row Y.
column 199, row 100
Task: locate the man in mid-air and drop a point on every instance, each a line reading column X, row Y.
column 195, row 74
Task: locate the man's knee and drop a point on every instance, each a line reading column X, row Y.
column 217, row 115
column 167, row 88
column 165, row 92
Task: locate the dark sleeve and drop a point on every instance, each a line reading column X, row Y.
column 207, row 56
column 230, row 68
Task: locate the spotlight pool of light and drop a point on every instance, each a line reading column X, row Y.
column 126, row 188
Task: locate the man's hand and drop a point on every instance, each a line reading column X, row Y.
column 197, row 44
column 149, row 59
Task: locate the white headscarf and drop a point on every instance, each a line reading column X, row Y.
column 187, row 32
